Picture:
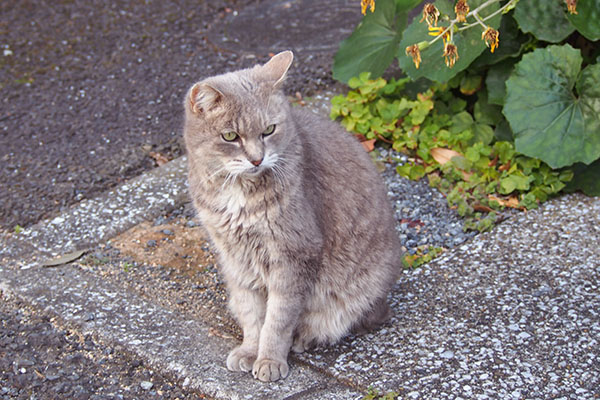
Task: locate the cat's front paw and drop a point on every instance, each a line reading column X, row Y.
column 268, row 370
column 241, row 359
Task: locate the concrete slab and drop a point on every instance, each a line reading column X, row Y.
column 167, row 341
column 93, row 221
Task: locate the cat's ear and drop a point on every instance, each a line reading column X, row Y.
column 203, row 97
column 276, row 68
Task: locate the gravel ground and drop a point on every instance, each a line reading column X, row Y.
column 39, row 359
column 422, row 213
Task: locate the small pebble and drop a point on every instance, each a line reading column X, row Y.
column 146, row 385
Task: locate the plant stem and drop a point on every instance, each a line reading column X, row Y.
column 481, row 7
column 444, row 32
column 492, row 15
column 479, row 21
column 474, row 14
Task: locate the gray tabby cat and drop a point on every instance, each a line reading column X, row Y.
column 297, row 212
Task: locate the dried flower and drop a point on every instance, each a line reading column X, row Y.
column 367, row 3
column 430, row 14
column 572, row 6
column 414, row 52
column 491, row 37
column 451, row 54
column 461, row 9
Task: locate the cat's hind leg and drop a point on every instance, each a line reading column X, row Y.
column 374, row 318
column 248, row 307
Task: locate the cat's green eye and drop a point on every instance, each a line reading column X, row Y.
column 230, row 136
column 270, row 129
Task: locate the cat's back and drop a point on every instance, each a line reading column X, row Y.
column 345, row 185
column 334, row 155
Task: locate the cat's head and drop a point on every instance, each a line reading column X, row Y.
column 239, row 124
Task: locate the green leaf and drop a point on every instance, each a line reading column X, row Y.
column 420, row 111
column 486, row 113
column 461, row 122
column 411, row 171
column 468, row 42
column 514, row 182
column 503, row 132
column 470, row 84
column 462, row 163
column 587, row 19
column 482, row 133
column 496, row 80
column 373, row 44
column 504, row 150
column 586, row 178
column 545, row 19
column 548, row 120
column 407, row 4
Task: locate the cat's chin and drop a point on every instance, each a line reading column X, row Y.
column 255, row 172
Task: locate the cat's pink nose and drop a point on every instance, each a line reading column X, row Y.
column 256, row 163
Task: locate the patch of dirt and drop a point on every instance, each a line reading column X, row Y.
column 169, row 261
column 172, row 245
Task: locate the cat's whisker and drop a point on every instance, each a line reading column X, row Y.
column 279, row 175
column 227, row 179
column 282, row 167
column 215, row 173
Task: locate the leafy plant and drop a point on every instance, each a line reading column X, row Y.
column 423, row 255
column 459, row 152
column 521, row 119
column 373, row 394
column 553, row 106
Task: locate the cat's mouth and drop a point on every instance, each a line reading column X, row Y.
column 255, row 171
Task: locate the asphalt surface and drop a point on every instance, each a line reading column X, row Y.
column 91, row 92
column 41, row 360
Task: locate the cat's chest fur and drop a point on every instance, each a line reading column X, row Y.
column 244, row 227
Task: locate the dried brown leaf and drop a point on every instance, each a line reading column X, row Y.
column 443, row 155
column 369, row 145
column 64, row 259
column 159, row 158
column 512, row 201
column 482, row 208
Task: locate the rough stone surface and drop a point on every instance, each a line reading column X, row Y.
column 512, row 314
column 182, row 348
column 94, row 220
column 509, row 314
column 40, row 360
